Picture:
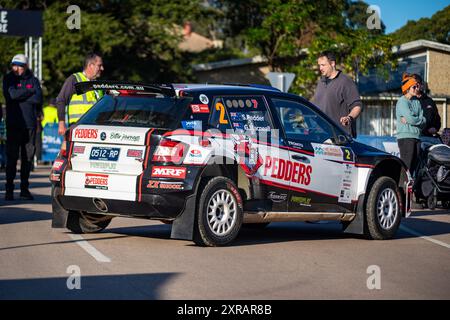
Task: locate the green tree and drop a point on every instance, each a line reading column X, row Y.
column 137, row 38
column 436, row 28
column 291, row 33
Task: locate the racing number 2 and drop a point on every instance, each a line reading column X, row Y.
column 220, row 107
column 348, row 154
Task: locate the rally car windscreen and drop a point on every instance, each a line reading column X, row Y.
column 137, row 112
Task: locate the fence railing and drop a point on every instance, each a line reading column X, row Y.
column 378, row 116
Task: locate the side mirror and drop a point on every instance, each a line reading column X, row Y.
column 341, row 139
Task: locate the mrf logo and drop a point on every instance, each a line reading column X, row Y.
column 86, row 133
column 169, row 172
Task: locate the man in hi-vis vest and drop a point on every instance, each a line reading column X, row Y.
column 78, row 104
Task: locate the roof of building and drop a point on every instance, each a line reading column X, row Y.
column 418, row 45
column 229, row 63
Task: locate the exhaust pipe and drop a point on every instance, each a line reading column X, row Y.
column 100, row 204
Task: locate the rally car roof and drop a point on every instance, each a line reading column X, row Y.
column 226, row 86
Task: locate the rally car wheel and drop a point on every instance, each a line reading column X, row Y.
column 219, row 216
column 446, row 204
column 81, row 222
column 383, row 209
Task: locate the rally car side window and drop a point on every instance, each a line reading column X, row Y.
column 248, row 114
column 302, row 123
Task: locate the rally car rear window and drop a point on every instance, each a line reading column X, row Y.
column 128, row 111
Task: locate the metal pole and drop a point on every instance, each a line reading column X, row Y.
column 40, row 59
column 26, row 48
column 392, row 117
column 281, row 82
column 30, row 52
column 36, row 50
column 444, row 113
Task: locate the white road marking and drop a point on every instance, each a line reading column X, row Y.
column 415, row 233
column 100, row 257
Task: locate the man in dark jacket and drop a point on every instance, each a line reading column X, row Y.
column 23, row 96
column 430, row 111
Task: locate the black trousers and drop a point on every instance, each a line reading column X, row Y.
column 409, row 153
column 23, row 141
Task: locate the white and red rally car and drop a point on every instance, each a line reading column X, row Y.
column 211, row 158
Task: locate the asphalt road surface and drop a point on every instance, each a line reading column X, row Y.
column 135, row 259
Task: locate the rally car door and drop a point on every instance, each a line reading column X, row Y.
column 320, row 173
column 255, row 142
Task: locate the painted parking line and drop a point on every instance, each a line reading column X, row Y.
column 86, row 246
column 417, row 234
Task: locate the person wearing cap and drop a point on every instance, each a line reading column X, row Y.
column 78, row 104
column 23, row 96
column 410, row 121
column 430, row 111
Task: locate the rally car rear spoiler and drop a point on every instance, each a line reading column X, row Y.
column 164, row 89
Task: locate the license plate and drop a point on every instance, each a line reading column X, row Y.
column 104, row 154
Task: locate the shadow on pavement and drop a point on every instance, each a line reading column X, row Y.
column 59, row 242
column 436, row 212
column 292, row 231
column 159, row 231
column 12, row 214
column 122, row 286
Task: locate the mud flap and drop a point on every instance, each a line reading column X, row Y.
column 356, row 226
column 183, row 226
column 59, row 219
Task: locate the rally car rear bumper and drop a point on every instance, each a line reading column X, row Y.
column 152, row 206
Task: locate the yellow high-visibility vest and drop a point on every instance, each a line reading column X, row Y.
column 50, row 115
column 81, row 103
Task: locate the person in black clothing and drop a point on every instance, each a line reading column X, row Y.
column 430, row 111
column 23, row 96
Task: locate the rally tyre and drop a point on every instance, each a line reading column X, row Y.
column 431, row 202
column 82, row 222
column 383, row 213
column 219, row 213
column 446, row 204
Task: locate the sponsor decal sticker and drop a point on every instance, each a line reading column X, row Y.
column 124, row 137
column 132, row 153
column 345, row 193
column 194, row 153
column 287, row 170
column 153, row 184
column 204, row 99
column 103, row 136
column 327, row 151
column 96, row 181
column 79, row 149
column 295, row 144
column 169, row 172
column 192, row 125
column 55, row 177
column 275, row 197
column 200, row 108
column 57, row 164
column 110, row 166
column 236, row 194
column 86, row 133
column 302, row 201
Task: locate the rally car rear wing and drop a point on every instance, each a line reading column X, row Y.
column 119, row 86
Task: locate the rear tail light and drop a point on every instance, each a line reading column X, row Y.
column 63, row 152
column 169, row 151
